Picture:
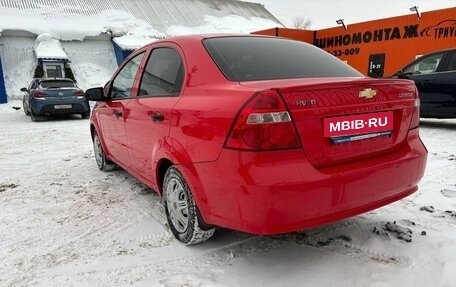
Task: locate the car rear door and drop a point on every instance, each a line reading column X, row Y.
column 424, row 73
column 444, row 89
column 150, row 113
column 112, row 114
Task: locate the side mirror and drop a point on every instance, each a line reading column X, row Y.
column 95, row 94
column 23, row 89
column 401, row 75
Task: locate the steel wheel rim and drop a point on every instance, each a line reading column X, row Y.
column 176, row 201
column 98, row 150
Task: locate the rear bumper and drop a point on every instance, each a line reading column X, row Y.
column 46, row 106
column 281, row 192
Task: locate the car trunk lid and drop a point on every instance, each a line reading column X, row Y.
column 61, row 93
column 344, row 119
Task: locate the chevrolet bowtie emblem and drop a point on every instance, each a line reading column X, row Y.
column 367, row 93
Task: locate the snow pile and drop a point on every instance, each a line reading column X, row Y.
column 117, row 22
column 227, row 24
column 18, row 78
column 63, row 28
column 48, row 48
column 129, row 32
column 93, row 61
column 133, row 42
column 89, row 75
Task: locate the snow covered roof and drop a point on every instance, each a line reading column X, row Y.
column 145, row 19
column 48, row 48
column 132, row 42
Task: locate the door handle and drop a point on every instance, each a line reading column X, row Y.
column 157, row 117
column 117, row 113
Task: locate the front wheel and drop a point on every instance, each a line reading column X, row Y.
column 100, row 156
column 181, row 210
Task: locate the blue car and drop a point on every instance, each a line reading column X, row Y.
column 54, row 96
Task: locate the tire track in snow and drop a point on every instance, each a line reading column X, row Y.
column 207, row 259
column 338, row 237
column 93, row 240
column 226, row 254
column 343, row 245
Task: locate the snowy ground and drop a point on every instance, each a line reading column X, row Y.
column 65, row 223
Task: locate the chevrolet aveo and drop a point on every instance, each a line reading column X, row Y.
column 258, row 134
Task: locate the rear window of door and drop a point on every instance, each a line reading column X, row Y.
column 451, row 67
column 163, row 73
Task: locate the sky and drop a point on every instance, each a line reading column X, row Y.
column 324, row 13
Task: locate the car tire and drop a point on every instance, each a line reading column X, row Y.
column 100, row 156
column 181, row 211
column 85, row 115
column 27, row 113
column 35, row 118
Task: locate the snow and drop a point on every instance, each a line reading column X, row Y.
column 227, row 24
column 65, row 223
column 19, row 77
column 128, row 32
column 47, row 47
column 91, row 69
column 78, row 27
column 64, row 28
column 133, row 42
column 84, row 75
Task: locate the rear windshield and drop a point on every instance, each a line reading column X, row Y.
column 57, row 84
column 254, row 58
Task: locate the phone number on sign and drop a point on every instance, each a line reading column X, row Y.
column 346, row 52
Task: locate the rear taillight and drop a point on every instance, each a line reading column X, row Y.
column 78, row 93
column 416, row 114
column 264, row 123
column 39, row 94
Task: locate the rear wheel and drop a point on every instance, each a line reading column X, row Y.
column 35, row 118
column 181, row 210
column 85, row 115
column 100, row 156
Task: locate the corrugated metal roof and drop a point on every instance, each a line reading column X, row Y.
column 159, row 13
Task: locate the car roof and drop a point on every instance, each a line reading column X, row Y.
column 439, row 51
column 199, row 37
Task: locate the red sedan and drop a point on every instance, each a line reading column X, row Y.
column 258, row 134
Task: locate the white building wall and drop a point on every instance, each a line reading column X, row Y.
column 18, row 62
